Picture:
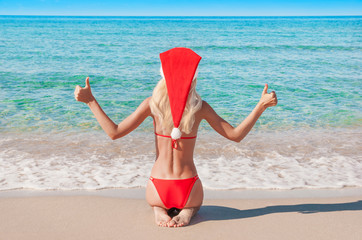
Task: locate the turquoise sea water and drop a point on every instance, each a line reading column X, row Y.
column 313, row 63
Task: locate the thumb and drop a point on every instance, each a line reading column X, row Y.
column 87, row 85
column 265, row 91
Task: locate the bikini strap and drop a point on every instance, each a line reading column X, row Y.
column 195, row 178
column 174, row 141
column 188, row 137
column 162, row 135
column 170, row 136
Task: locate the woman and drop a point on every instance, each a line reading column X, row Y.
column 177, row 111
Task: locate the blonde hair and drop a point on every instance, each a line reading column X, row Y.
column 160, row 106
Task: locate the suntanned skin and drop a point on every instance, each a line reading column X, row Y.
column 174, row 163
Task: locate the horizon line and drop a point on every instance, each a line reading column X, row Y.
column 64, row 15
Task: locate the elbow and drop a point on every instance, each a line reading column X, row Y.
column 113, row 136
column 236, row 138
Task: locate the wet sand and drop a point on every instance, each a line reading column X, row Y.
column 113, row 217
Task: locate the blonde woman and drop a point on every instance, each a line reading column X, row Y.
column 177, row 111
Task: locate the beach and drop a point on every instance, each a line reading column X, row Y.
column 320, row 214
column 297, row 175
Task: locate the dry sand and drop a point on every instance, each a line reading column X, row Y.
column 108, row 218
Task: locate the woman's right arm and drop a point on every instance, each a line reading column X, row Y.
column 238, row 133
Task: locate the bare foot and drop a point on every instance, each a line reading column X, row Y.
column 183, row 218
column 161, row 217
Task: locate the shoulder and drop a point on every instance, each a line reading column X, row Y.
column 206, row 109
column 206, row 106
column 147, row 100
column 145, row 106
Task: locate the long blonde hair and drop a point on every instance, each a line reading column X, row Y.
column 160, row 106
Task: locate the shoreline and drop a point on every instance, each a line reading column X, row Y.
column 263, row 160
column 139, row 193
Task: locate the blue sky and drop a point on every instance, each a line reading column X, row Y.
column 181, row 7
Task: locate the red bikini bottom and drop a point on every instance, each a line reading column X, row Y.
column 174, row 193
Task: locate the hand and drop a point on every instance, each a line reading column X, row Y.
column 84, row 94
column 268, row 99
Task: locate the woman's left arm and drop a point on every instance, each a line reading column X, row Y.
column 113, row 130
column 127, row 125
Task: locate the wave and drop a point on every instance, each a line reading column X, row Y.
column 264, row 160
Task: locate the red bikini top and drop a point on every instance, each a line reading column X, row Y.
column 174, row 141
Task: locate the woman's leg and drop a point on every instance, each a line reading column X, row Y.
column 196, row 196
column 192, row 206
column 153, row 199
column 183, row 218
column 161, row 217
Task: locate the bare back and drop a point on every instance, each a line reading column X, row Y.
column 175, row 163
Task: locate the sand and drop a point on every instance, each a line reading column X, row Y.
column 102, row 217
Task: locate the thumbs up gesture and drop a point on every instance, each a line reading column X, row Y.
column 268, row 99
column 84, row 94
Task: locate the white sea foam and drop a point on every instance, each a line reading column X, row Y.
column 288, row 160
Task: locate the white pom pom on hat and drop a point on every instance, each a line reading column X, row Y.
column 176, row 133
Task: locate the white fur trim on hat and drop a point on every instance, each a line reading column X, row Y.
column 161, row 72
column 176, row 133
column 196, row 72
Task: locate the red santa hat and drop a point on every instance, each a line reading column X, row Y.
column 179, row 68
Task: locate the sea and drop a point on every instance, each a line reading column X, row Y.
column 311, row 139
